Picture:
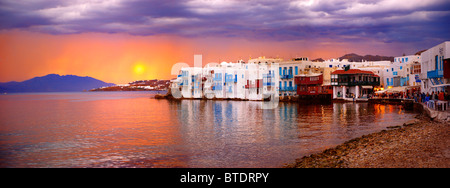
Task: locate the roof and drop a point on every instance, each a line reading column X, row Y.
column 352, row 71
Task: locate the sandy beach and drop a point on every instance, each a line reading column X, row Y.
column 419, row 144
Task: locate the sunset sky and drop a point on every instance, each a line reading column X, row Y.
column 120, row 41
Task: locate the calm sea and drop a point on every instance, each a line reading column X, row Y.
column 130, row 129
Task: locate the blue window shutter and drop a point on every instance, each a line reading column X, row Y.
column 436, row 64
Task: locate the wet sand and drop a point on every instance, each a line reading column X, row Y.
column 419, row 144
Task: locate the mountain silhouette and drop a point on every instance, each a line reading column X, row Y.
column 54, row 83
column 352, row 57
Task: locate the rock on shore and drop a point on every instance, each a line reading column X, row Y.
column 423, row 144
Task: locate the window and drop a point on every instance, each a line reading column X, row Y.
column 296, row 70
column 330, row 66
column 280, row 70
column 392, row 69
column 437, row 61
column 401, row 67
column 406, row 59
column 417, row 69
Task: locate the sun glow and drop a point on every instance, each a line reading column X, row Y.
column 139, row 69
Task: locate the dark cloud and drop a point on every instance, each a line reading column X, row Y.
column 386, row 20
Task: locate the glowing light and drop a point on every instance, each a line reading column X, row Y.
column 139, row 69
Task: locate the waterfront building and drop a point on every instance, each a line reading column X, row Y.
column 353, row 83
column 400, row 73
column 435, row 68
column 415, row 70
column 188, row 81
column 251, row 81
column 376, row 67
column 311, row 86
column 288, row 70
column 337, row 63
column 262, row 78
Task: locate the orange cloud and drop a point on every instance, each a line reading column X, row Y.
column 108, row 57
column 113, row 57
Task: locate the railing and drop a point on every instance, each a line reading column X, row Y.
column 289, row 76
column 355, row 83
column 268, row 84
column 287, row 89
column 435, row 74
column 308, row 82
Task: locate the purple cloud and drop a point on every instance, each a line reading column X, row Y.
column 385, row 20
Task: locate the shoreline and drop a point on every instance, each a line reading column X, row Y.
column 421, row 143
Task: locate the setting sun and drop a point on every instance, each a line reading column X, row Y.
column 139, row 69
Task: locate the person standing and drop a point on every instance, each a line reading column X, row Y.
column 441, row 96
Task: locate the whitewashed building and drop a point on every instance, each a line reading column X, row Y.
column 400, row 73
column 435, row 68
column 252, row 81
column 295, row 67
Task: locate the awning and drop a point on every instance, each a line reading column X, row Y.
column 441, row 85
column 367, row 87
column 394, row 90
column 398, row 89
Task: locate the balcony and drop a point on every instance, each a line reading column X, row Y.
column 309, row 80
column 290, row 89
column 229, row 78
column 268, row 83
column 359, row 83
column 289, row 76
column 435, row 74
column 287, row 89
